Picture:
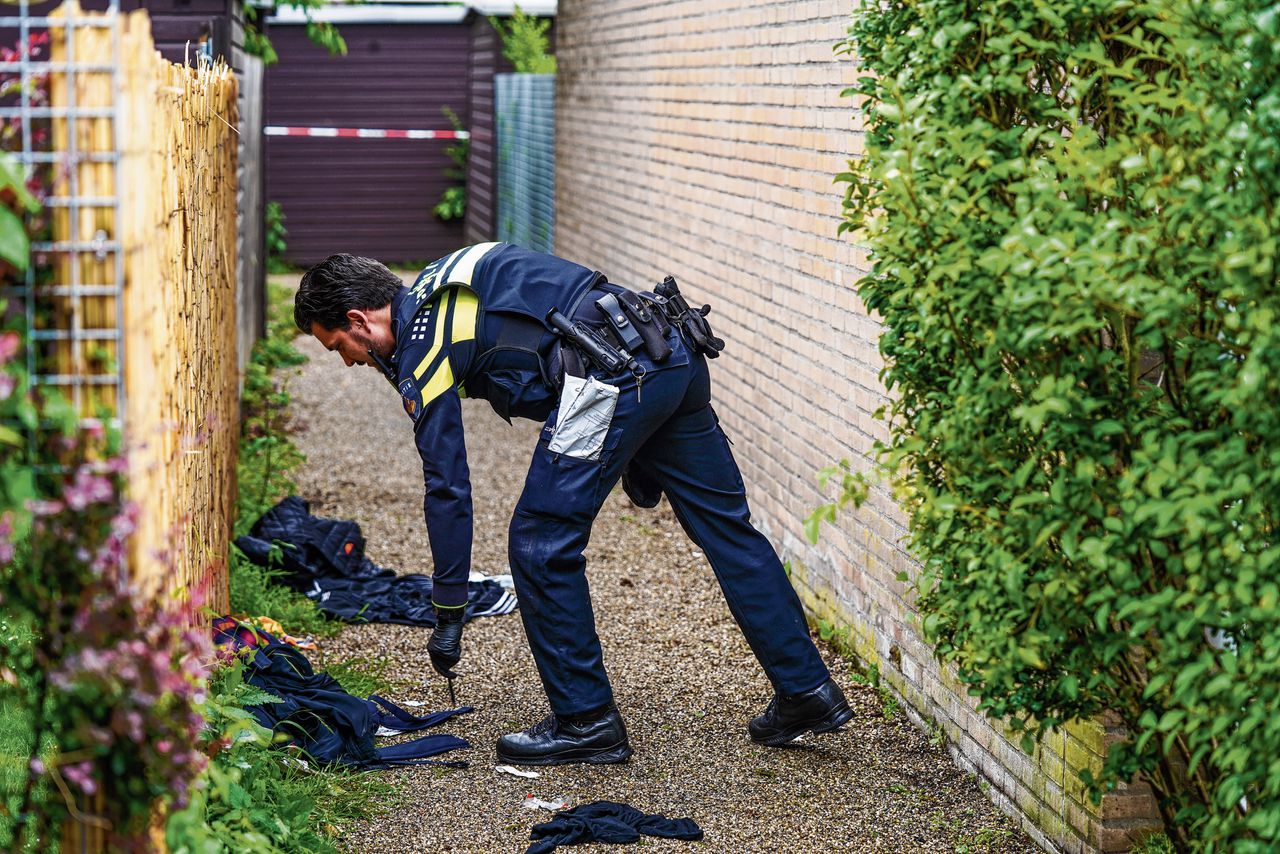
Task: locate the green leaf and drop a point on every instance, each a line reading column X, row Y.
column 13, row 179
column 15, row 247
column 11, row 437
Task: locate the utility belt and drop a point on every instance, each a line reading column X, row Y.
column 627, row 323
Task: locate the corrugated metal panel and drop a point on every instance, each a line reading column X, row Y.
column 366, row 196
column 251, row 236
column 526, row 117
column 486, row 60
column 174, row 23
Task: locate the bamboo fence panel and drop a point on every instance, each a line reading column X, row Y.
column 177, row 169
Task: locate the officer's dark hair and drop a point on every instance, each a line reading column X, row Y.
column 339, row 284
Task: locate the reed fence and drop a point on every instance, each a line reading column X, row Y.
column 159, row 139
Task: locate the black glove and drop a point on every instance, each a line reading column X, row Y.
column 445, row 646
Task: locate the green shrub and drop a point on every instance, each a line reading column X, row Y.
column 525, row 42
column 453, row 201
column 320, row 33
column 277, row 238
column 1073, row 210
column 267, row 454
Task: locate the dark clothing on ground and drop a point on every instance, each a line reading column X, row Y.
column 324, row 559
column 315, row 714
column 606, row 821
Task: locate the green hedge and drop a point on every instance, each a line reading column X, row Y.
column 1073, row 211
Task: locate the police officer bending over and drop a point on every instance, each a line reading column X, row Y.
column 620, row 381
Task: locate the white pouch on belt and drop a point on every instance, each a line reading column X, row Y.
column 586, row 411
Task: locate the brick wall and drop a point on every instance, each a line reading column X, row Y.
column 699, row 138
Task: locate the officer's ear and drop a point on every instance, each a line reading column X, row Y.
column 358, row 319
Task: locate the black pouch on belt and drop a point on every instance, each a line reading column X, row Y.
column 650, row 325
column 620, row 323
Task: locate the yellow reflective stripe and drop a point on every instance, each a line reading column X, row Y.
column 466, row 268
column 436, row 342
column 440, row 382
column 465, row 309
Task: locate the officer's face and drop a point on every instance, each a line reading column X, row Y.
column 352, row 343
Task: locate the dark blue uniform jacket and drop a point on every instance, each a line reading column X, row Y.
column 472, row 323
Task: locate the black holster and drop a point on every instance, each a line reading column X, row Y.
column 691, row 322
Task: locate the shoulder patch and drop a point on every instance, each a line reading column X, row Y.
column 411, row 399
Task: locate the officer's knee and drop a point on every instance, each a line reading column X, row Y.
column 522, row 536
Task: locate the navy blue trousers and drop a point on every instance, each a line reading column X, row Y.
column 672, row 431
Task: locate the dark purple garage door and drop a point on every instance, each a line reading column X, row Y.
column 369, row 197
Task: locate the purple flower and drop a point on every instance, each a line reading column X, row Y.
column 82, row 776
column 6, row 537
column 86, row 489
column 37, row 766
column 133, row 720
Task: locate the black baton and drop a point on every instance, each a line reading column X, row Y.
column 595, row 348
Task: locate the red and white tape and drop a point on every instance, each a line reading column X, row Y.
column 365, row 133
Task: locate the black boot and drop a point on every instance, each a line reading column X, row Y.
column 821, row 710
column 600, row 739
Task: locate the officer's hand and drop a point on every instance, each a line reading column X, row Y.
column 445, row 646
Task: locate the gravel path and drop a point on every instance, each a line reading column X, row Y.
column 684, row 677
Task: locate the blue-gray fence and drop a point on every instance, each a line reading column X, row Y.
column 525, row 108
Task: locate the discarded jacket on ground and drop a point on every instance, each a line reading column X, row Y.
column 606, row 821
column 319, row 717
column 324, row 559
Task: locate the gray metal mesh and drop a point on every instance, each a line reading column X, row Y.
column 73, row 377
column 525, row 107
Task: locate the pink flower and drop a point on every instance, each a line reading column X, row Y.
column 44, row 508
column 7, row 384
column 10, row 343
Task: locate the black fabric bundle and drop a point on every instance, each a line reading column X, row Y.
column 318, row 716
column 606, row 821
column 324, row 559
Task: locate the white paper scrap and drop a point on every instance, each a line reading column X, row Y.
column 532, row 803
column 517, row 772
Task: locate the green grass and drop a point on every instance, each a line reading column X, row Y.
column 255, row 593
column 362, row 676
column 16, row 727
column 1156, row 843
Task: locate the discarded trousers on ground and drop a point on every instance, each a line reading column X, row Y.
column 317, row 715
column 606, row 821
column 324, row 559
